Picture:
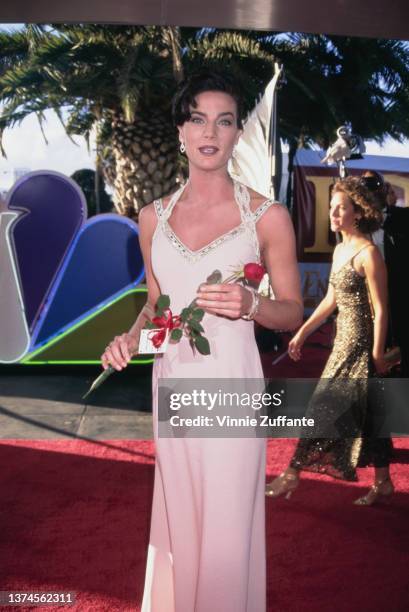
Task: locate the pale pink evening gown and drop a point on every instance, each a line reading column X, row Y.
column 207, row 538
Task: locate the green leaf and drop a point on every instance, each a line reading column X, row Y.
column 163, row 302
column 198, row 314
column 193, row 324
column 202, row 345
column 176, row 334
column 214, row 278
column 150, row 325
column 185, row 314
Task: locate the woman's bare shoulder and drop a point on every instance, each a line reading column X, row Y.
column 274, row 224
column 147, row 213
column 149, row 210
column 256, row 199
column 147, row 220
column 371, row 253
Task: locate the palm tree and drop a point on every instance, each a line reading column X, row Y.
column 107, row 79
column 119, row 81
column 334, row 80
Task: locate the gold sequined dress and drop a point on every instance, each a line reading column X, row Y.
column 340, row 405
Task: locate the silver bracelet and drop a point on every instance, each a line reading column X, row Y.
column 254, row 306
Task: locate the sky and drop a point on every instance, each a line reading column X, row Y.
column 26, row 148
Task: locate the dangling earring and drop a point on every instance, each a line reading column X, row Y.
column 182, row 147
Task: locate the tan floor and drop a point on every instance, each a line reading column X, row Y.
column 42, row 404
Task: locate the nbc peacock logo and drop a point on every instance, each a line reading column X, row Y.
column 68, row 284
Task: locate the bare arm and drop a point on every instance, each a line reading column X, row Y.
column 376, row 276
column 323, row 310
column 147, row 226
column 120, row 350
column 277, row 241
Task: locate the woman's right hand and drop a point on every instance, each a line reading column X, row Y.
column 118, row 352
column 295, row 345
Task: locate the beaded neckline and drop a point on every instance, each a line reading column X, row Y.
column 207, row 247
column 248, row 218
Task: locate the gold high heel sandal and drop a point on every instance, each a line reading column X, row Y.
column 285, row 483
column 381, row 491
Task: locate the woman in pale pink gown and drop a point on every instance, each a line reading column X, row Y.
column 207, row 537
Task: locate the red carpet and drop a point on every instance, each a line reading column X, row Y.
column 75, row 516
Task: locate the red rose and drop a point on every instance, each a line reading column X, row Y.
column 166, row 322
column 254, row 272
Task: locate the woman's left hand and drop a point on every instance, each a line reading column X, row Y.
column 381, row 365
column 228, row 300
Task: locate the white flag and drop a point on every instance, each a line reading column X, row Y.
column 253, row 162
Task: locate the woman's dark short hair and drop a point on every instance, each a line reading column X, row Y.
column 199, row 82
column 363, row 201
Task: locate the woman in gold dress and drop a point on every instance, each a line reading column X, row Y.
column 357, row 279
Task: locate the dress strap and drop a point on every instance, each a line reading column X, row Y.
column 359, row 250
column 242, row 197
column 248, row 217
column 259, row 212
column 350, row 259
column 163, row 214
column 158, row 209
